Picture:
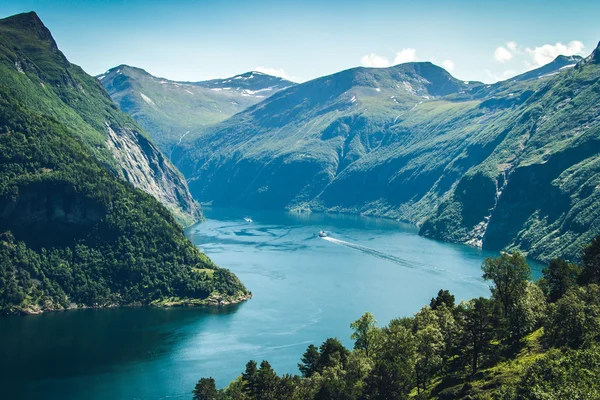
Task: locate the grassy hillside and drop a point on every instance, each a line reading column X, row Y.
column 412, row 142
column 169, row 110
column 41, row 77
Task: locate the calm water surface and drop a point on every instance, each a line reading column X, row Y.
column 305, row 290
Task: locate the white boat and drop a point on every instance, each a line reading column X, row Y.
column 322, row 234
column 247, row 219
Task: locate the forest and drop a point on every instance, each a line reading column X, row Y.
column 72, row 234
column 527, row 341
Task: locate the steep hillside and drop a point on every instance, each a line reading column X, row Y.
column 40, row 76
column 72, row 234
column 169, row 110
column 401, row 141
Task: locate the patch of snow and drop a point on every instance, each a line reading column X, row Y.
column 568, row 66
column 353, row 99
column 377, row 89
column 238, row 77
column 466, row 82
column 147, row 99
column 118, row 71
column 511, row 94
column 188, row 91
column 101, row 77
column 426, row 97
column 216, row 89
column 163, row 82
column 234, row 103
column 547, row 75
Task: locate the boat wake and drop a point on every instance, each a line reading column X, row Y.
column 385, row 256
column 405, row 263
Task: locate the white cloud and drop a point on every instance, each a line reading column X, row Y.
column 544, row 54
column 512, row 46
column 280, row 72
column 405, row 55
column 502, row 54
column 448, row 65
column 373, row 60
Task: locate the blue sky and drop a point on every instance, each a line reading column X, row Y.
column 197, row 40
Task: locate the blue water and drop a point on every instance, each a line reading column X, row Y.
column 305, row 289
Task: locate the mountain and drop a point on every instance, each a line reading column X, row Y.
column 73, row 232
column 43, row 79
column 559, row 63
column 168, row 110
column 503, row 166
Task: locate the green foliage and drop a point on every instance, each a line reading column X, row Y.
column 591, row 263
column 570, row 374
column 509, row 273
column 559, row 277
column 467, row 351
column 366, row 335
column 206, row 389
column 444, row 298
column 574, row 320
column 74, row 233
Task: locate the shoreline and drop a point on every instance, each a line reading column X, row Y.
column 214, row 300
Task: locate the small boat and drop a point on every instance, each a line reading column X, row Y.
column 322, row 234
column 247, row 219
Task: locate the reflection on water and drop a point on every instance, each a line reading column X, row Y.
column 305, row 290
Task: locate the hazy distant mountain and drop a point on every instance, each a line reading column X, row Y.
column 510, row 165
column 168, row 109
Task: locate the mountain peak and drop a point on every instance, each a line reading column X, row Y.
column 595, row 56
column 30, row 22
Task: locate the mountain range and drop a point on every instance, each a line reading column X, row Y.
column 505, row 166
column 169, row 110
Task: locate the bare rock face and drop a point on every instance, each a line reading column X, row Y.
column 145, row 167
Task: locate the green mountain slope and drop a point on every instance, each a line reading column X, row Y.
column 412, row 142
column 72, row 233
column 168, row 110
column 43, row 79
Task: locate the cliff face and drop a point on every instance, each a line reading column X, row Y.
column 146, row 168
column 40, row 76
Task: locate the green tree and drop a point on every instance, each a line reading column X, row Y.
column 529, row 311
column 478, row 330
column 332, row 352
column 267, row 383
column 250, row 379
column 510, row 274
column 559, row 277
column 393, row 373
column 366, row 335
column 591, row 263
column 430, row 345
column 206, row 389
column 574, row 320
column 444, row 297
column 309, row 361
